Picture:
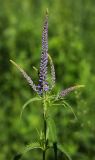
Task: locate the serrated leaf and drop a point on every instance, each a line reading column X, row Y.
column 28, row 102
column 60, row 147
column 52, row 133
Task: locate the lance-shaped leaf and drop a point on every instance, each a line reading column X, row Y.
column 52, row 71
column 31, row 146
column 51, row 130
column 28, row 148
column 68, row 90
column 44, row 55
column 29, row 80
column 65, row 104
column 35, row 99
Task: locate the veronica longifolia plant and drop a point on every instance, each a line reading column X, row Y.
column 48, row 137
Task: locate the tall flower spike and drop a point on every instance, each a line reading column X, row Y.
column 52, row 71
column 29, row 80
column 44, row 55
column 68, row 90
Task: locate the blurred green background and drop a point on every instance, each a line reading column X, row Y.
column 72, row 47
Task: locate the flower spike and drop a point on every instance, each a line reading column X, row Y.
column 52, row 71
column 29, row 80
column 68, row 90
column 42, row 87
column 44, row 55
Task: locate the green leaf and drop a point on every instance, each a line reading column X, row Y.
column 28, row 102
column 32, row 146
column 51, row 131
column 66, row 104
column 60, row 147
column 28, row 148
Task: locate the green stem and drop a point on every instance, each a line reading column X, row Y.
column 45, row 129
column 44, row 155
column 55, row 150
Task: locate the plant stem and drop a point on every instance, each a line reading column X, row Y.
column 55, row 150
column 45, row 129
column 44, row 155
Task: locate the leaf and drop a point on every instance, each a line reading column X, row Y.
column 28, row 148
column 60, row 147
column 59, row 104
column 66, row 104
column 28, row 102
column 51, row 129
column 32, row 146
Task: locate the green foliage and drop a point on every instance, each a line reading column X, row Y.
column 60, row 147
column 27, row 149
column 71, row 44
column 28, row 102
column 52, row 133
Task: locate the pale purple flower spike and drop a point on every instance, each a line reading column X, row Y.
column 52, row 72
column 68, row 90
column 44, row 58
column 29, row 80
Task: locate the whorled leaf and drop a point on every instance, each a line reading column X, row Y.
column 68, row 105
column 65, row 104
column 28, row 102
